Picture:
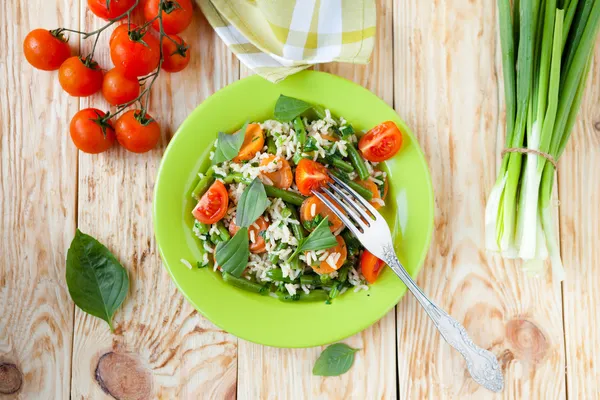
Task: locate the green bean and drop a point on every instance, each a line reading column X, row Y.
column 274, row 258
column 203, row 184
column 310, row 280
column 223, row 232
column 325, row 279
column 288, row 197
column 286, row 212
column 271, row 146
column 339, row 163
column 295, row 263
column 358, row 162
column 319, row 111
column 242, row 283
column 277, row 276
column 314, row 295
column 202, row 228
column 215, row 238
column 297, row 229
column 234, row 177
column 300, row 131
column 346, row 130
column 343, row 273
column 335, row 290
column 350, row 239
column 364, row 192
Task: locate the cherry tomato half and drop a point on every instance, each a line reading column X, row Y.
column 381, row 143
column 135, row 54
column 89, row 133
column 118, row 89
column 370, row 266
column 136, row 132
column 213, row 204
column 46, row 50
column 176, row 15
column 310, row 175
column 176, row 56
column 110, row 9
column 79, row 79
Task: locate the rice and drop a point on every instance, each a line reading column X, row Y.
column 378, row 201
column 291, row 288
column 186, row 263
column 313, row 210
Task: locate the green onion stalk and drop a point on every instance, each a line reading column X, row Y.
column 547, row 47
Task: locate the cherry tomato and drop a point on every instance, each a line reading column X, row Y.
column 46, row 50
column 79, row 79
column 174, row 18
column 110, row 9
column 370, row 266
column 135, row 54
column 381, row 143
column 257, row 245
column 121, row 29
column 213, row 204
column 176, row 57
column 89, row 133
column 370, row 185
column 118, row 89
column 314, row 203
column 281, row 173
column 254, row 140
column 136, row 132
column 324, row 267
column 310, row 175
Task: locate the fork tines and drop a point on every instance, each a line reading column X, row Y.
column 358, row 214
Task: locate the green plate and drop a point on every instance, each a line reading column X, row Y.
column 263, row 319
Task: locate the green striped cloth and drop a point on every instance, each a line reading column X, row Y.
column 276, row 38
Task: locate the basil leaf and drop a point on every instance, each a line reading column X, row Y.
column 229, row 145
column 97, row 282
column 253, row 202
column 288, row 108
column 319, row 239
column 232, row 255
column 335, row 360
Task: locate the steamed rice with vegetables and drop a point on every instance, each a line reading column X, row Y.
column 257, row 219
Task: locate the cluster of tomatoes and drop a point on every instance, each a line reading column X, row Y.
column 138, row 55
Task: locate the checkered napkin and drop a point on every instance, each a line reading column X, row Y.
column 277, row 38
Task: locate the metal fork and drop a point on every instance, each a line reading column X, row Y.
column 373, row 232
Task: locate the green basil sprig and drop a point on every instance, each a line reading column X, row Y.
column 288, row 108
column 229, row 145
column 97, row 282
column 253, row 202
column 335, row 360
column 232, row 255
column 319, row 239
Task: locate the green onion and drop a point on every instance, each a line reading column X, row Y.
column 543, row 87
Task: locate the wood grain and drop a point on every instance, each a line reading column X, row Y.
column 449, row 89
column 162, row 346
column 261, row 370
column 37, row 211
column 579, row 174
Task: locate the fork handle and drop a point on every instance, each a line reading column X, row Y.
column 481, row 364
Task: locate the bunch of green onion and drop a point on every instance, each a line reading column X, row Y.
column 547, row 47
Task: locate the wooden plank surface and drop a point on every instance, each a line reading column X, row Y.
column 579, row 175
column 38, row 188
column 448, row 88
column 162, row 347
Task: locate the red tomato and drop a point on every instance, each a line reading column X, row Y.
column 176, row 57
column 136, row 132
column 136, row 54
column 89, row 133
column 79, row 79
column 174, row 18
column 46, row 50
column 121, row 29
column 310, row 175
column 110, row 9
column 254, row 231
column 213, row 204
column 118, row 89
column 370, row 266
column 381, row 142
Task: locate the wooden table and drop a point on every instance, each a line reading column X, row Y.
column 438, row 64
